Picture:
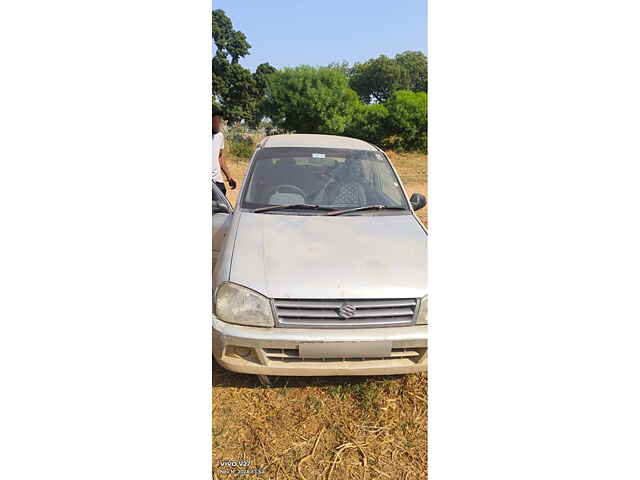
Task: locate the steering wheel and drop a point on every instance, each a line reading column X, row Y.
column 279, row 188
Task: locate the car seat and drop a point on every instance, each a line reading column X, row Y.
column 348, row 191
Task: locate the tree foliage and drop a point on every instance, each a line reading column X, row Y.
column 229, row 42
column 382, row 100
column 370, row 123
column 310, row 100
column 236, row 91
column 415, row 65
column 378, row 78
column 318, row 100
column 400, row 123
column 342, row 67
column 407, row 120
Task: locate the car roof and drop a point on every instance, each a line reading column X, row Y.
column 320, row 141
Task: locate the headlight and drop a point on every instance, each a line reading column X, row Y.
column 236, row 304
column 422, row 312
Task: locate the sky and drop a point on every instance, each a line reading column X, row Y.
column 287, row 33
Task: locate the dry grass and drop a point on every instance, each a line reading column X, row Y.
column 331, row 428
column 339, row 428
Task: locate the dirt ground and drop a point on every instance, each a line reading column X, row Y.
column 338, row 428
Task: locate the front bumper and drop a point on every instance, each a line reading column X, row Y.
column 274, row 351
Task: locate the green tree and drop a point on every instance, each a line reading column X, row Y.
column 236, row 91
column 342, row 67
column 310, row 100
column 407, row 120
column 261, row 78
column 416, row 66
column 378, row 78
column 239, row 99
column 262, row 74
column 370, row 123
column 229, row 42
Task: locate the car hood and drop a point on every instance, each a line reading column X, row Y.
column 315, row 256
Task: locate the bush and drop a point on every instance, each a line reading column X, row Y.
column 400, row 123
column 408, row 120
column 310, row 100
column 242, row 147
column 370, row 123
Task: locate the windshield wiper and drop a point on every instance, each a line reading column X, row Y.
column 301, row 206
column 368, row 207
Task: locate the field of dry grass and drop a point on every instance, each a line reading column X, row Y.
column 339, row 428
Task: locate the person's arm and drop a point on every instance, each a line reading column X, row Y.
column 223, row 167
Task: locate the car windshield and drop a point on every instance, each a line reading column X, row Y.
column 326, row 177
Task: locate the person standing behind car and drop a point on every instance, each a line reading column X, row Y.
column 219, row 165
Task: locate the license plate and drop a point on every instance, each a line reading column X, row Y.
column 345, row 349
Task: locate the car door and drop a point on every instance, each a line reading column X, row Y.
column 220, row 222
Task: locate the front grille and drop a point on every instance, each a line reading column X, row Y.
column 325, row 313
column 292, row 355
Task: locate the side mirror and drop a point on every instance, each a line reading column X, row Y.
column 418, row 201
column 219, row 207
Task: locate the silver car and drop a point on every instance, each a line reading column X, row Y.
column 321, row 267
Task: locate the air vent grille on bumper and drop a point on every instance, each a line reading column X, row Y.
column 293, row 355
column 293, row 313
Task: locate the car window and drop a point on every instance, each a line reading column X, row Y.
column 384, row 179
column 328, row 177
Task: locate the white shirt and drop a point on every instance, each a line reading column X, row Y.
column 218, row 145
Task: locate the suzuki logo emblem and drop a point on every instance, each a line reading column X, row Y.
column 347, row 311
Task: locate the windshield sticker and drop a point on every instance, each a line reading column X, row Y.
column 318, row 155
